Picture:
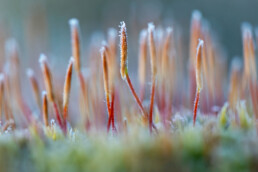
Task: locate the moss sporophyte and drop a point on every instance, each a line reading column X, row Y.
column 198, row 113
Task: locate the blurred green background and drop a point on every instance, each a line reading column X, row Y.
column 42, row 25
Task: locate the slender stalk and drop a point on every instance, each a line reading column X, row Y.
column 66, row 92
column 151, row 103
column 14, row 74
column 234, row 95
column 124, row 68
column 152, row 48
column 49, row 87
column 83, row 87
column 75, row 42
column 165, row 69
column 198, row 76
column 135, row 95
column 196, row 103
column 76, row 53
column 45, row 108
column 250, row 64
column 195, row 33
column 112, row 63
column 110, row 50
column 103, row 53
column 142, row 62
column 58, row 116
column 111, row 119
column 35, row 86
column 112, row 111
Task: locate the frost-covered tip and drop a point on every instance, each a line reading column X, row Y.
column 246, row 32
column 199, row 65
column 29, row 72
column 152, row 46
column 103, row 50
column 123, row 50
column 44, row 93
column 247, row 35
column 169, row 30
column 196, row 15
column 47, row 76
column 143, row 36
column 74, row 22
column 42, row 59
column 246, row 27
column 10, row 45
column 11, row 50
column 75, row 41
column 104, row 45
column 151, row 27
column 43, row 63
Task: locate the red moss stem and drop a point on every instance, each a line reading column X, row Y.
column 112, row 111
column 58, row 117
column 109, row 123
column 196, row 102
column 152, row 102
column 134, row 94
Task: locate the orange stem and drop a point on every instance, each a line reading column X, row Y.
column 65, row 111
column 109, row 113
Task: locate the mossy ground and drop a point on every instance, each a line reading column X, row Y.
column 205, row 147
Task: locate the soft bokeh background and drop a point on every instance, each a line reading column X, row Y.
column 42, row 25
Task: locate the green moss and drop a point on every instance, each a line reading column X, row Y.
column 204, row 147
